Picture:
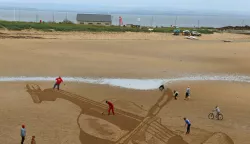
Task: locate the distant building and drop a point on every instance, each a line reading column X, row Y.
column 129, row 25
column 94, row 19
column 133, row 26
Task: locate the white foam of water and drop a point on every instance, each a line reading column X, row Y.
column 140, row 84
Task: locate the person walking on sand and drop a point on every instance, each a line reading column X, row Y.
column 187, row 96
column 188, row 124
column 23, row 134
column 33, row 141
column 176, row 93
column 59, row 80
column 111, row 107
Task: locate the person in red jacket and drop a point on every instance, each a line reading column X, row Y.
column 59, row 80
column 111, row 107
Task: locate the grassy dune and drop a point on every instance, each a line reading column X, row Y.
column 10, row 25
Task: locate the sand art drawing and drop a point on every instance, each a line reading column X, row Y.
column 138, row 129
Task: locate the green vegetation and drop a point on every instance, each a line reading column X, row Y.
column 202, row 30
column 68, row 26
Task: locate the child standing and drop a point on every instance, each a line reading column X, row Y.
column 33, row 141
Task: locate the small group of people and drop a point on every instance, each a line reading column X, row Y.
column 59, row 80
column 23, row 135
column 187, row 97
column 188, row 123
column 187, row 94
column 176, row 93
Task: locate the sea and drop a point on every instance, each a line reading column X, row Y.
column 143, row 20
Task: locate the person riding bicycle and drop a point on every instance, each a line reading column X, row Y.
column 217, row 109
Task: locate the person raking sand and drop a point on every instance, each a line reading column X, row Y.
column 188, row 124
column 161, row 87
column 111, row 108
column 59, row 80
column 176, row 93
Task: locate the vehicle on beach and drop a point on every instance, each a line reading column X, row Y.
column 186, row 33
column 195, row 33
column 191, row 37
column 213, row 115
column 176, row 32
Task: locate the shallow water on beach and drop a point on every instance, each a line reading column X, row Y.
column 139, row 84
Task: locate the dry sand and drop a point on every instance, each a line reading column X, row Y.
column 66, row 118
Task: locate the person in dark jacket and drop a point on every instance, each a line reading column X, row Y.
column 161, row 88
column 176, row 93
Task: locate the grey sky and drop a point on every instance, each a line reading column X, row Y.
column 219, row 5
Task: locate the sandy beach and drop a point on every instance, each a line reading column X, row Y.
column 73, row 115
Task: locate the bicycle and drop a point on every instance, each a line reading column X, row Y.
column 213, row 115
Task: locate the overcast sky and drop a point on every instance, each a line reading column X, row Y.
column 219, row 5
